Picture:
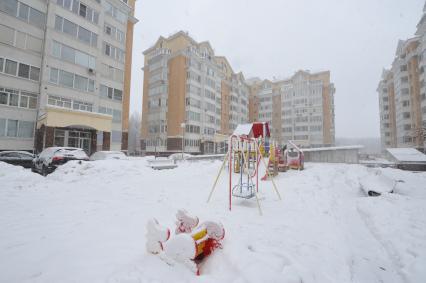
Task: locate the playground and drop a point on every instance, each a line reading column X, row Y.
column 88, row 223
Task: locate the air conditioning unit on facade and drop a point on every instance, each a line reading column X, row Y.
column 91, row 71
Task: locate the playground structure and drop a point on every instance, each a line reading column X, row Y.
column 244, row 157
column 294, row 157
column 191, row 244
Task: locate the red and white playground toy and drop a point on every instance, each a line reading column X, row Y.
column 191, row 243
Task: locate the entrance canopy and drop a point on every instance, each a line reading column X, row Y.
column 62, row 117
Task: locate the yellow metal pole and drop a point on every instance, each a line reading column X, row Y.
column 218, row 175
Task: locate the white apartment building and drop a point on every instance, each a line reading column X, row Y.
column 64, row 73
column 300, row 108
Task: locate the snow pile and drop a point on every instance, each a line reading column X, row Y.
column 86, row 223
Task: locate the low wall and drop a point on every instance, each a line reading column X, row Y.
column 332, row 155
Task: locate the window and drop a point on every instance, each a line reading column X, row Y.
column 66, row 78
column 24, row 102
column 58, row 23
column 2, row 127
column 34, row 73
column 118, row 94
column 4, row 97
column 24, row 71
column 56, row 49
column 1, row 64
column 12, row 128
column 82, row 10
column 7, row 35
column 10, row 67
column 36, row 18
column 70, row 28
column 26, row 129
column 54, row 75
column 9, row 7
column 84, row 35
column 80, row 83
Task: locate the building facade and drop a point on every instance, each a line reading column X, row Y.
column 402, row 97
column 186, row 84
column 189, row 95
column 65, row 71
column 300, row 108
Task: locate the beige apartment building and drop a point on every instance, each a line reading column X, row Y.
column 193, row 95
column 402, row 97
column 189, row 95
column 65, row 72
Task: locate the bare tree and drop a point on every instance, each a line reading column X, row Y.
column 134, row 133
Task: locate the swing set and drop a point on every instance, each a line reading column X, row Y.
column 244, row 154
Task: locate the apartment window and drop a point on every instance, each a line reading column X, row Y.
column 80, row 82
column 2, row 127
column 84, row 35
column 406, row 115
column 24, row 71
column 24, row 11
column 12, row 128
column 11, row 67
column 59, row 101
column 66, row 78
column 36, row 18
column 110, row 92
column 82, row 11
column 406, row 103
column 72, row 55
column 70, row 28
column 26, row 129
column 9, row 7
column 407, row 127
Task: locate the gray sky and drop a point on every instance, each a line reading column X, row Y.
column 354, row 39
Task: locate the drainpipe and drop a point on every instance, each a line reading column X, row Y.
column 42, row 67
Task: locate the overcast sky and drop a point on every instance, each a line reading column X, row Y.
column 354, row 39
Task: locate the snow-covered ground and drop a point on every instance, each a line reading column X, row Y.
column 86, row 223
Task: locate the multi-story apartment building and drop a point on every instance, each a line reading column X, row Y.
column 192, row 95
column 65, row 70
column 300, row 108
column 387, row 110
column 189, row 94
column 402, row 97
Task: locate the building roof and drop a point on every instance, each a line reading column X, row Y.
column 407, row 155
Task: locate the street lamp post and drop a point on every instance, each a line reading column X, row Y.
column 183, row 125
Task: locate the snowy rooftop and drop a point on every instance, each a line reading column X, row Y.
column 332, row 148
column 407, row 155
column 243, row 129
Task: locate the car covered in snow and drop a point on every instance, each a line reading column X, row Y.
column 52, row 157
column 20, row 158
column 107, row 155
column 376, row 183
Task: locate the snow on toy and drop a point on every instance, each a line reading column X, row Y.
column 245, row 146
column 191, row 244
column 294, row 157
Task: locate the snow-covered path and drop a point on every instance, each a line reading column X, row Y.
column 86, row 223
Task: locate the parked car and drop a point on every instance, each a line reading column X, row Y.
column 105, row 155
column 21, row 158
column 50, row 158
